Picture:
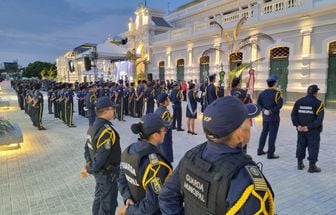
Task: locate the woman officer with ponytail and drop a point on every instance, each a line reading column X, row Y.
column 143, row 168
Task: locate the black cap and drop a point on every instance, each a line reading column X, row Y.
column 312, row 89
column 152, row 123
column 104, row 102
column 161, row 97
column 226, row 114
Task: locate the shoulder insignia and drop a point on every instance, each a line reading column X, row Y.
column 320, row 108
column 156, row 185
column 277, row 96
column 257, row 178
column 153, row 159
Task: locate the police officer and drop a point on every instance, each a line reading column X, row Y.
column 140, row 98
column 211, row 90
column 271, row 102
column 119, row 99
column 216, row 177
column 90, row 103
column 191, row 110
column 150, row 96
column 132, row 101
column 68, row 102
column 38, row 107
column 143, row 168
column 102, row 155
column 49, row 94
column 176, row 97
column 162, row 111
column 307, row 116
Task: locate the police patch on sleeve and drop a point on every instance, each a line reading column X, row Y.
column 156, row 185
column 107, row 145
column 257, row 178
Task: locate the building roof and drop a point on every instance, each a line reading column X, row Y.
column 192, row 3
column 161, row 22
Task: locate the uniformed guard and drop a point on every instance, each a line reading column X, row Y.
column 307, row 116
column 49, row 94
column 139, row 99
column 271, row 102
column 126, row 98
column 68, row 101
column 191, row 110
column 132, row 101
column 38, row 107
column 176, row 97
column 150, row 95
column 90, row 103
column 216, row 177
column 162, row 111
column 119, row 100
column 143, row 168
column 103, row 155
column 211, row 90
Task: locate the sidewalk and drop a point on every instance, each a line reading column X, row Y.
column 43, row 176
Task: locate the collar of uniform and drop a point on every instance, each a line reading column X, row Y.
column 141, row 145
column 101, row 121
column 214, row 151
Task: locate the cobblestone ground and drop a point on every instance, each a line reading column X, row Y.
column 43, row 176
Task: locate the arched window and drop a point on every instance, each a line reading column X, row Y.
column 280, row 52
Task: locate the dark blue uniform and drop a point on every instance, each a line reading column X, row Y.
column 211, row 94
column 308, row 111
column 119, row 96
column 149, row 96
column 38, row 109
column 50, row 92
column 90, row 100
column 176, row 97
column 271, row 102
column 166, row 147
column 103, row 154
column 192, row 100
column 143, row 171
column 139, row 101
column 69, row 107
column 186, row 193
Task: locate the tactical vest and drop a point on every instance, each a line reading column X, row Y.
column 205, row 185
column 130, row 164
column 112, row 165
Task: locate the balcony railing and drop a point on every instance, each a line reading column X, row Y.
column 258, row 12
column 280, row 5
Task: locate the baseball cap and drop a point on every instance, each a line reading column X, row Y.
column 161, row 97
column 152, row 123
column 104, row 102
column 226, row 114
column 239, row 93
column 312, row 89
column 272, row 78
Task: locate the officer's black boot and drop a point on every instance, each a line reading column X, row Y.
column 313, row 168
column 300, row 165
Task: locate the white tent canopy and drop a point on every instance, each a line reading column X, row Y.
column 107, row 50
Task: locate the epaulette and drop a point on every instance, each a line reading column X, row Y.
column 257, row 178
column 153, row 159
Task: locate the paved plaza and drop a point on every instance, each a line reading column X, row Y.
column 42, row 177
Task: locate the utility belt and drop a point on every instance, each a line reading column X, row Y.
column 109, row 170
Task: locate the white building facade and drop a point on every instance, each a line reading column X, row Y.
column 303, row 52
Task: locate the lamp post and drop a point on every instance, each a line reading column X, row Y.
column 222, row 75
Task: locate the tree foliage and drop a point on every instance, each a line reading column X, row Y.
column 42, row 70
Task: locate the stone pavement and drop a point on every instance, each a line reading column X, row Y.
column 43, row 176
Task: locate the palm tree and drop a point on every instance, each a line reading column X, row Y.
column 235, row 46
